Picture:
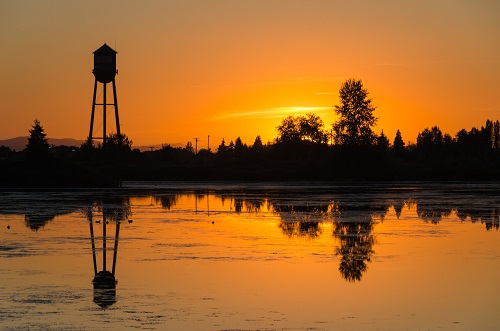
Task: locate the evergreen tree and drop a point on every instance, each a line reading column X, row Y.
column 383, row 142
column 398, row 145
column 38, row 146
column 189, row 147
column 257, row 144
column 222, row 147
column 239, row 148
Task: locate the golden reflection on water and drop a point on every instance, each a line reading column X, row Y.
column 214, row 261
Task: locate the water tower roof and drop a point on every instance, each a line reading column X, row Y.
column 105, row 50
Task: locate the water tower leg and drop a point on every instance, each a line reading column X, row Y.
column 115, row 100
column 104, row 117
column 92, row 115
column 115, row 251
column 91, row 222
column 103, row 243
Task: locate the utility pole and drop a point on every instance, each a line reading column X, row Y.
column 196, row 145
column 208, row 143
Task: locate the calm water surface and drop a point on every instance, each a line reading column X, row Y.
column 203, row 256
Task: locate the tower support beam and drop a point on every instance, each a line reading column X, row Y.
column 92, row 114
column 117, row 118
column 104, row 111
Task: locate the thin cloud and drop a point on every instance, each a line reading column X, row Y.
column 277, row 112
column 327, row 93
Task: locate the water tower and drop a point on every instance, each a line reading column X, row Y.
column 104, row 281
column 104, row 73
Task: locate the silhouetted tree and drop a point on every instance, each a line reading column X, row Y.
column 189, row 147
column 354, row 127
column 477, row 142
column 38, row 146
column 222, row 147
column 311, row 128
column 448, row 143
column 256, row 151
column 488, row 133
column 430, row 142
column 225, row 152
column 496, row 135
column 382, row 142
column 118, row 147
column 289, row 130
column 122, row 142
column 5, row 152
column 398, row 145
column 257, row 144
column 230, row 147
column 308, row 127
column 239, row 149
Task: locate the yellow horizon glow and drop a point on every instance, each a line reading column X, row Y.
column 231, row 69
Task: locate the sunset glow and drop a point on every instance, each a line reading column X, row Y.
column 233, row 69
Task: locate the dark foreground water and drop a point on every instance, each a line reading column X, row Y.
column 202, row 256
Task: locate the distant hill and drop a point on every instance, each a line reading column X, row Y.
column 19, row 143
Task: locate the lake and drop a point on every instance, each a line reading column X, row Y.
column 252, row 256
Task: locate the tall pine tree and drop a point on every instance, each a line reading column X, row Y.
column 38, row 146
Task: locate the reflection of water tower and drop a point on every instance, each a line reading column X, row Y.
column 104, row 72
column 104, row 281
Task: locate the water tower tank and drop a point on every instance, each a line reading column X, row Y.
column 104, row 64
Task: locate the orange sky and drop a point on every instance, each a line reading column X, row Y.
column 237, row 68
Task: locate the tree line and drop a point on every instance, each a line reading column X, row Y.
column 302, row 150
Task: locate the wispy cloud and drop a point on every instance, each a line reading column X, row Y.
column 327, row 93
column 277, row 112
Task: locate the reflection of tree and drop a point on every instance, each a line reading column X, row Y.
column 398, row 208
column 250, row 205
column 401, row 203
column 306, row 229
column 167, row 201
column 432, row 213
column 45, row 210
column 300, row 220
column 491, row 218
column 254, row 205
column 238, row 204
column 494, row 221
column 114, row 208
column 37, row 221
column 356, row 247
